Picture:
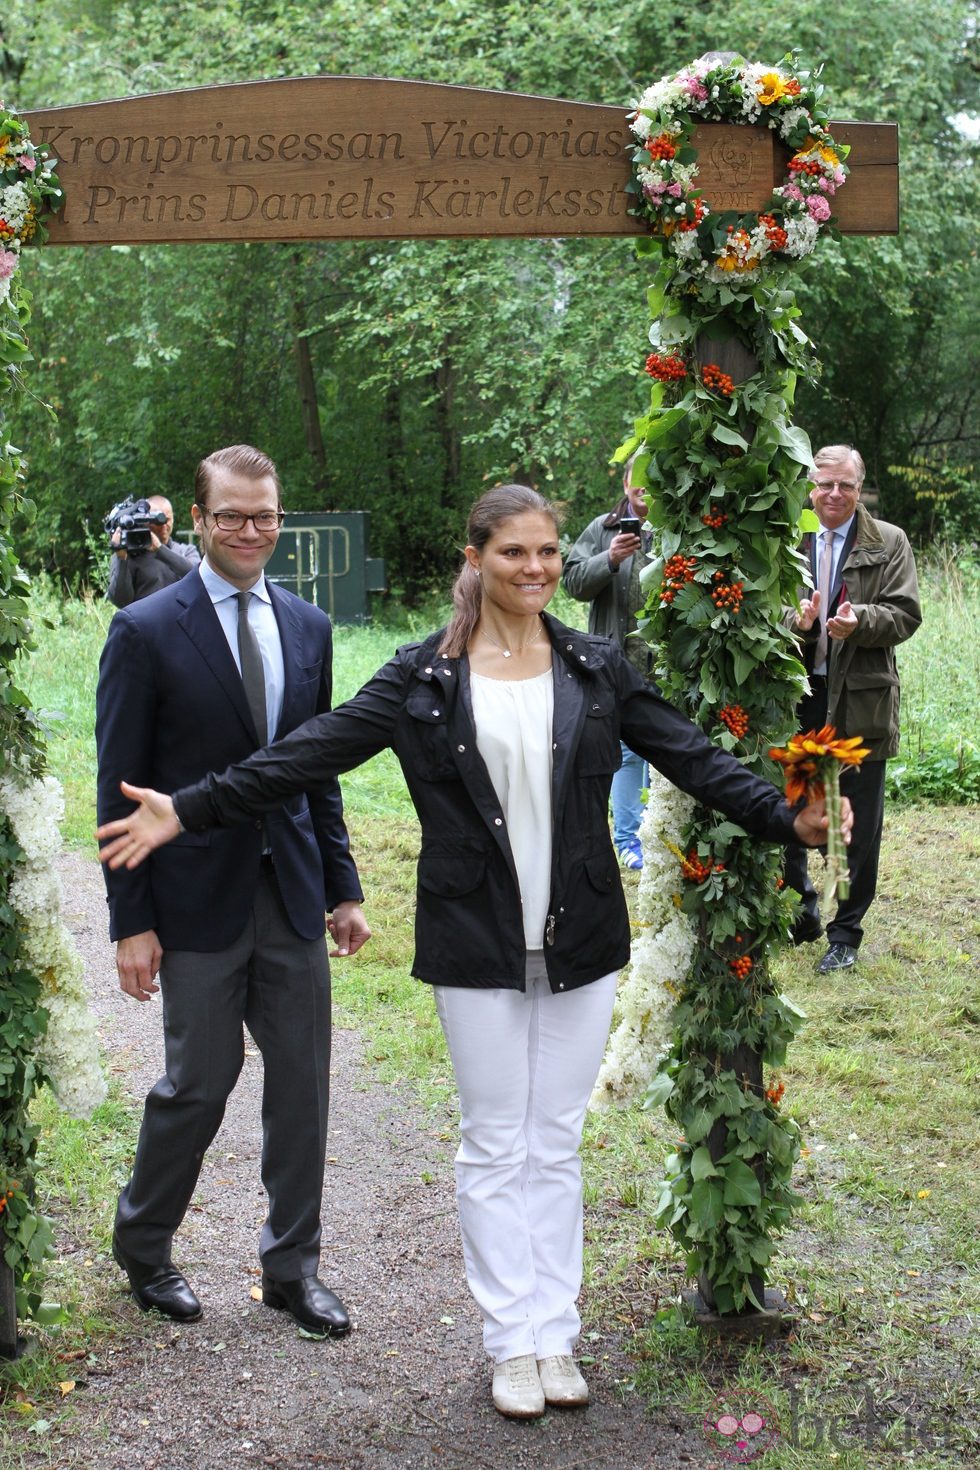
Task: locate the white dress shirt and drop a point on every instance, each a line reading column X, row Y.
column 263, row 622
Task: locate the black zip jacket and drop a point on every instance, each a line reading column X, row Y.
column 468, row 930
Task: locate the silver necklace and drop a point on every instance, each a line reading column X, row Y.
column 507, row 652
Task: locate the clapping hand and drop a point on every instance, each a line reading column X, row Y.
column 131, row 839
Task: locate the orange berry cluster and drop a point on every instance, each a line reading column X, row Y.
column 692, row 867
column 700, row 210
column 775, row 234
column 804, row 166
column 716, row 521
column 734, row 716
column 8, row 1196
column 775, row 1094
column 791, row 87
column 666, row 367
column 660, row 147
column 677, row 570
column 741, row 967
column 713, row 377
column 726, row 596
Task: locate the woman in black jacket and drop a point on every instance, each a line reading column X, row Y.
column 507, row 725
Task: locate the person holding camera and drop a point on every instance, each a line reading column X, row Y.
column 155, row 560
column 603, row 569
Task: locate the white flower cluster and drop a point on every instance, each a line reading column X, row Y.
column 661, row 956
column 68, row 1051
column 14, row 204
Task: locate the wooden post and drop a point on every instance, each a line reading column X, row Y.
column 8, row 1312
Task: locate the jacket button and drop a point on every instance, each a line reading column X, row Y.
column 555, row 745
column 435, row 712
column 461, row 748
column 568, row 647
column 595, row 706
column 428, row 671
column 561, row 985
column 581, row 658
column 498, row 821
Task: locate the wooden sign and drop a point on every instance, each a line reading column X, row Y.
column 354, row 157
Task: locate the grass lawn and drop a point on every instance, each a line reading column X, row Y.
column 881, row 1363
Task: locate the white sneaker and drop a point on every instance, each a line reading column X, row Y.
column 562, row 1383
column 517, row 1388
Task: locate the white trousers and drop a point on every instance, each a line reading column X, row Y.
column 525, row 1065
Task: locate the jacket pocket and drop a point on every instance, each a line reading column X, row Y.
column 452, row 876
column 599, row 752
column 428, row 757
column 602, row 872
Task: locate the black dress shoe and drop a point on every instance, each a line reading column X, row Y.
column 838, row 957
column 806, row 928
column 309, row 1302
column 158, row 1288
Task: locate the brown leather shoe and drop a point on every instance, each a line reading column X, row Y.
column 159, row 1288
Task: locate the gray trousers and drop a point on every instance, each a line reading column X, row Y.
column 277, row 985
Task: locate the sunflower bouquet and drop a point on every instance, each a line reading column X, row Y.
column 812, row 764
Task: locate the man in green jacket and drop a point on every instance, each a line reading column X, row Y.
column 864, row 603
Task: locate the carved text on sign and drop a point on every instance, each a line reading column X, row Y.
column 349, row 157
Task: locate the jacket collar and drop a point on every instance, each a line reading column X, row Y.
column 580, row 651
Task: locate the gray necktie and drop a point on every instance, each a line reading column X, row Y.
column 253, row 672
column 823, row 587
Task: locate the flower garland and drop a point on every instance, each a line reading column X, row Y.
column 720, row 246
column 661, row 956
column 68, row 1052
column 38, row 981
column 29, row 189
column 726, row 476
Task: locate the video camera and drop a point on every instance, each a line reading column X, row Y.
column 134, row 520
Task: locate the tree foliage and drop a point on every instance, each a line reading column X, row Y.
column 440, row 364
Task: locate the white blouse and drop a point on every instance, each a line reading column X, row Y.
column 513, row 735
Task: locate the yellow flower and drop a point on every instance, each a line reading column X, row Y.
column 828, row 155
column 924, row 1193
column 770, row 88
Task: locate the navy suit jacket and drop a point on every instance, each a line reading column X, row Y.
column 170, row 707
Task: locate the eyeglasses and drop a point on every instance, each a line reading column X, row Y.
column 829, row 484
column 234, row 520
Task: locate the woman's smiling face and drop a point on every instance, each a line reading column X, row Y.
column 520, row 564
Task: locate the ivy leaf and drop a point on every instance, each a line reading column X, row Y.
column 702, row 1166
column 707, row 1206
column 741, row 1185
column 659, row 1091
column 725, row 435
column 808, row 520
column 796, row 442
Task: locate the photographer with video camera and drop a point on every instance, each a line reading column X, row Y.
column 145, row 558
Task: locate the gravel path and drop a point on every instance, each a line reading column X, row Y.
column 241, row 1388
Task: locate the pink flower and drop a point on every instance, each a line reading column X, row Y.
column 674, row 190
column 818, row 208
column 790, row 191
column 26, row 161
column 8, row 264
column 653, row 192
column 696, row 89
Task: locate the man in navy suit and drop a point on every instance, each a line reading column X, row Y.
column 230, row 924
